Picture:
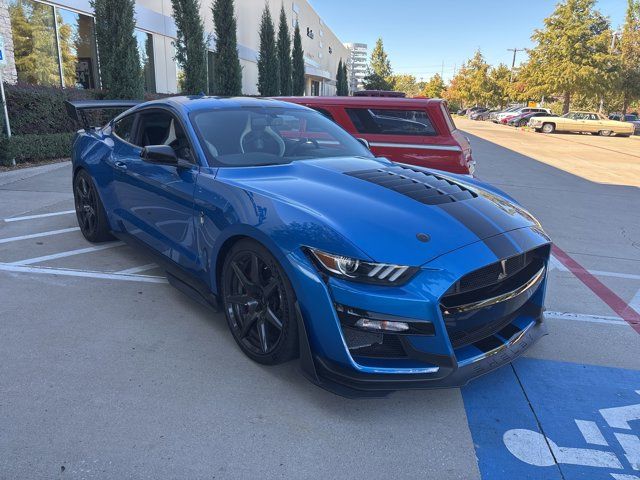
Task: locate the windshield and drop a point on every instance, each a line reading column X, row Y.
column 631, row 118
column 251, row 136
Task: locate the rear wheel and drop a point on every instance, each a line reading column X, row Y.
column 90, row 213
column 548, row 128
column 259, row 303
column 523, row 123
column 605, row 133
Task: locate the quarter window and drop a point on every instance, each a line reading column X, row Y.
column 123, row 128
column 391, row 122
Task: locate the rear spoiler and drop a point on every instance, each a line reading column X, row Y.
column 77, row 109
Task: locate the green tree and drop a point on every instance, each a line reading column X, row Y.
column 268, row 74
column 379, row 71
column 119, row 58
column 434, row 88
column 406, row 84
column 297, row 63
column 500, row 85
column 340, row 81
column 284, row 54
column 571, row 55
column 630, row 55
column 227, row 72
column 345, row 78
column 190, row 45
column 471, row 85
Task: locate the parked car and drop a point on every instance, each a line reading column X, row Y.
column 481, row 115
column 415, row 131
column 494, row 116
column 477, row 111
column 520, row 111
column 379, row 276
column 522, row 120
column 379, row 93
column 582, row 122
column 629, row 117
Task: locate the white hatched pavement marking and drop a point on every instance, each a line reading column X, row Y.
column 141, row 268
column 37, row 235
column 591, row 432
column 582, row 317
column 41, row 215
column 635, row 302
column 81, row 273
column 69, row 253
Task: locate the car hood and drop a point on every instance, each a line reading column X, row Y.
column 380, row 220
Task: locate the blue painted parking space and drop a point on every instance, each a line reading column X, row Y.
column 542, row 419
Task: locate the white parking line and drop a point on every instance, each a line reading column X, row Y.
column 7, row 267
column 582, row 317
column 139, row 269
column 68, row 253
column 42, row 215
column 37, row 235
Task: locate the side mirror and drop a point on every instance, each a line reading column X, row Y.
column 365, row 143
column 160, row 154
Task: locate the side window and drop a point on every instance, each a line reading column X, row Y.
column 324, row 112
column 391, row 122
column 123, row 128
column 161, row 128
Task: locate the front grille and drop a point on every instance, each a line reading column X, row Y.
column 494, row 273
column 424, row 187
column 468, row 327
column 374, row 345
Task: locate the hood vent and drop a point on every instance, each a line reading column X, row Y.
column 424, row 187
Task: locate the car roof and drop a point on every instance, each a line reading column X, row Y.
column 202, row 102
column 364, row 101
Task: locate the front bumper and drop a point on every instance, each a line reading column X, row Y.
column 438, row 360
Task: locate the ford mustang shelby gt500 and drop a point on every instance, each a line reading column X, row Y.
column 378, row 275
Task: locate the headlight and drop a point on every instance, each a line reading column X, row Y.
column 360, row 271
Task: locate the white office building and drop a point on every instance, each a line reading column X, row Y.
column 357, row 64
column 53, row 43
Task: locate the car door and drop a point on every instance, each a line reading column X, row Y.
column 156, row 201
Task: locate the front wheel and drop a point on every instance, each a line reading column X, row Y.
column 259, row 304
column 548, row 128
column 90, row 213
column 605, row 133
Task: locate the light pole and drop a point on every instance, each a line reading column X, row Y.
column 513, row 62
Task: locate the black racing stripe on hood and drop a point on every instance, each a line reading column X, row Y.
column 502, row 246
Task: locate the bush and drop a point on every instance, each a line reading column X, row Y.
column 35, row 147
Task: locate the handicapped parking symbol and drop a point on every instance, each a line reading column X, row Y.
column 536, row 449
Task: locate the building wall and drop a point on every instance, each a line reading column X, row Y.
column 358, row 61
column 9, row 71
column 154, row 16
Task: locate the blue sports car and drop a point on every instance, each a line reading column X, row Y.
column 379, row 276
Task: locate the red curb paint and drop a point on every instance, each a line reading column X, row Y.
column 618, row 305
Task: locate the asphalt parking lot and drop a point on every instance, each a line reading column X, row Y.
column 108, row 372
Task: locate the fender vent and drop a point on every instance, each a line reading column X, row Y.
column 424, row 187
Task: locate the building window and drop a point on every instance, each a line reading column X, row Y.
column 145, row 51
column 77, row 42
column 34, row 39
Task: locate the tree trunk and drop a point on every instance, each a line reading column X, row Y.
column 566, row 103
column 625, row 103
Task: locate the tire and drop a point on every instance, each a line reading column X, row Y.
column 523, row 123
column 548, row 128
column 259, row 304
column 90, row 212
column 605, row 133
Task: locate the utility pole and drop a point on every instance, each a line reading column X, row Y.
column 513, row 62
column 442, row 70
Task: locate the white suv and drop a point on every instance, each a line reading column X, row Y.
column 520, row 111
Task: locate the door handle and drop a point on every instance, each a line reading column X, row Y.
column 120, row 165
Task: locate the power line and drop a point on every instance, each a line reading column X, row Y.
column 513, row 63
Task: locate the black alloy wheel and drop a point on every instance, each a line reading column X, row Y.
column 259, row 303
column 89, row 209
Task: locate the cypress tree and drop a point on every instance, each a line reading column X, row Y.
column 227, row 72
column 345, row 79
column 119, row 57
column 268, row 78
column 190, row 45
column 297, row 63
column 284, row 54
column 339, row 80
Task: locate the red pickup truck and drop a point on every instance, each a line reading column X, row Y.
column 416, row 131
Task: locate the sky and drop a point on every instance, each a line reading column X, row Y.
column 419, row 35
